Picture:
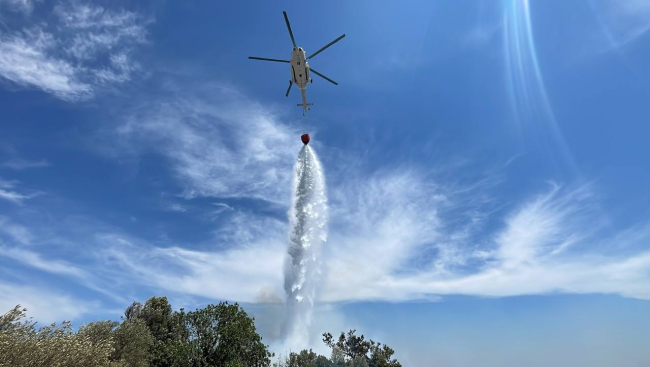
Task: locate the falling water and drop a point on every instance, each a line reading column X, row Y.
column 308, row 219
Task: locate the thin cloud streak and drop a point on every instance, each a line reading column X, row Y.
column 21, row 164
column 8, row 192
column 35, row 260
column 244, row 274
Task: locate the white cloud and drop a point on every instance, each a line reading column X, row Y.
column 17, row 232
column 13, row 196
column 25, row 60
column 530, row 255
column 222, row 207
column 244, row 273
column 219, row 143
column 20, row 164
column 177, row 208
column 74, row 14
column 24, row 6
column 97, row 30
column 96, row 43
column 35, row 260
column 8, row 192
column 542, row 226
column 42, row 304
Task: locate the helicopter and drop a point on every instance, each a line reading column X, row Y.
column 300, row 69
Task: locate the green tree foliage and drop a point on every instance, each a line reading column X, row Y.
column 306, row 358
column 380, row 356
column 351, row 345
column 338, row 358
column 356, row 351
column 170, row 336
column 358, row 361
column 224, row 335
column 22, row 345
column 133, row 342
column 154, row 335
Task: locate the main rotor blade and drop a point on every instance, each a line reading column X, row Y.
column 326, row 46
column 264, row 59
column 323, row 76
column 286, row 19
column 289, row 89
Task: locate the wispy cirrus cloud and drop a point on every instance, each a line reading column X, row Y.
column 245, row 273
column 9, row 192
column 20, row 164
column 95, row 29
column 531, row 254
column 546, row 225
column 43, row 304
column 18, row 233
column 85, row 48
column 25, row 59
column 24, row 6
column 13, row 196
column 220, row 143
column 35, row 260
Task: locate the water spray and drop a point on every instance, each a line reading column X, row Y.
column 308, row 220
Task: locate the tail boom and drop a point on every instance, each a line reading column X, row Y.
column 304, row 103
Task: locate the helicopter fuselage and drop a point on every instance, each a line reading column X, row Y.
column 299, row 68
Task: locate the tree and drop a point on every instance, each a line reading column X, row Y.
column 380, row 356
column 352, row 346
column 306, row 358
column 358, row 361
column 337, row 358
column 224, row 335
column 322, row 361
column 164, row 324
column 168, row 342
column 22, row 345
column 133, row 343
column 354, row 350
column 133, row 312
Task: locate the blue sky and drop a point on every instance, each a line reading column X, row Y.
column 486, row 161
